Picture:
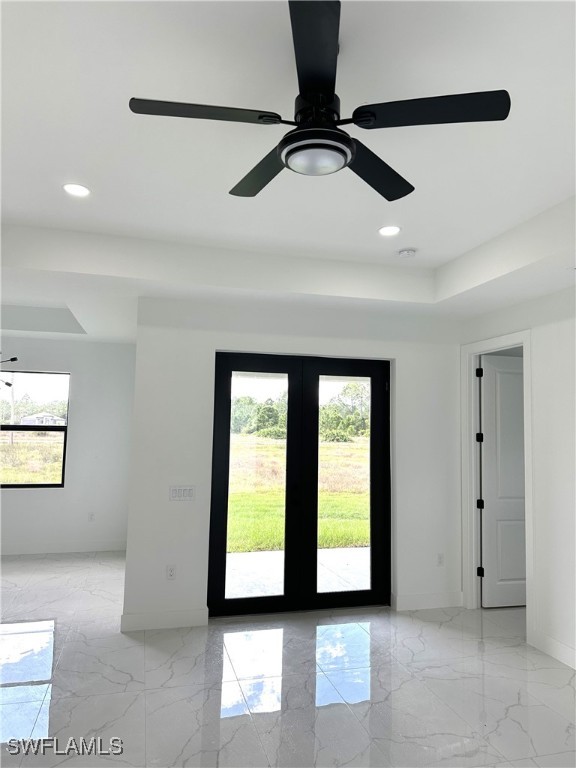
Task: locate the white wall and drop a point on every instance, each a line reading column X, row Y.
column 39, row 520
column 552, row 626
column 173, row 445
column 554, row 466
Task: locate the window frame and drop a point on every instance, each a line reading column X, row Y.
column 41, row 428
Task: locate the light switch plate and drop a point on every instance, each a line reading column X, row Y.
column 181, row 493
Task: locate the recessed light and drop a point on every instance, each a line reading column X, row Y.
column 389, row 231
column 76, row 190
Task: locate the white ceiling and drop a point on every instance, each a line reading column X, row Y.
column 69, row 69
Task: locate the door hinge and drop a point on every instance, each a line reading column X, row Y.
column 479, row 503
column 479, row 372
column 480, row 571
column 479, row 437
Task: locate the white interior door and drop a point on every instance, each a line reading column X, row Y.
column 503, row 528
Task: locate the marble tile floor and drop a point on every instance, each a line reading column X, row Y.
column 355, row 687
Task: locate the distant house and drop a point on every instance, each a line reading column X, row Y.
column 43, row 418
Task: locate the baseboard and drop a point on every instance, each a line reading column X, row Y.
column 434, row 600
column 131, row 622
column 61, row 547
column 558, row 650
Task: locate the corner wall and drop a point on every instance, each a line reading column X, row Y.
column 554, row 468
column 41, row 520
column 552, row 626
column 173, row 446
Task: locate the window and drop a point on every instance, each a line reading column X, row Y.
column 34, row 427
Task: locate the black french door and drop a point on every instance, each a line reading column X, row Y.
column 300, row 511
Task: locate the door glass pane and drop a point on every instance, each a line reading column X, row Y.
column 344, row 484
column 257, row 485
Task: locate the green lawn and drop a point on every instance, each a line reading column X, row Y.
column 256, row 496
column 256, row 521
column 31, row 459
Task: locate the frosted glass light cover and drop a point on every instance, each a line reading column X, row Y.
column 316, row 161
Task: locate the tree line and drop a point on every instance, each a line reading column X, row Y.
column 340, row 420
column 25, row 406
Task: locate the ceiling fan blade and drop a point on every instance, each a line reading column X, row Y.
column 459, row 108
column 256, row 179
column 315, row 25
column 374, row 171
column 202, row 111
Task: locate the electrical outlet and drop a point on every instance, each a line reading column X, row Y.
column 170, row 572
column 91, row 517
column 440, row 559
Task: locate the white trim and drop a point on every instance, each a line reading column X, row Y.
column 468, row 413
column 418, row 602
column 130, row 622
column 558, row 650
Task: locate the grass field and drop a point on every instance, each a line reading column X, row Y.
column 31, row 458
column 256, row 494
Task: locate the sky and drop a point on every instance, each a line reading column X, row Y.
column 45, row 387
column 262, row 386
column 42, row 387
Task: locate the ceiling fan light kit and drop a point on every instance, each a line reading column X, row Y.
column 317, row 146
column 316, row 151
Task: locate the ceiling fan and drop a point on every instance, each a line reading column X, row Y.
column 317, row 145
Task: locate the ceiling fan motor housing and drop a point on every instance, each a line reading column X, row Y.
column 316, row 151
column 316, row 109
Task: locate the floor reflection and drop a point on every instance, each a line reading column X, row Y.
column 264, row 695
column 257, row 659
column 365, row 686
column 26, row 651
column 298, row 715
column 232, row 703
column 343, row 645
column 257, row 653
column 354, row 685
column 26, row 669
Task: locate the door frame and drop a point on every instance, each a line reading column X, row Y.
column 469, row 393
column 301, row 465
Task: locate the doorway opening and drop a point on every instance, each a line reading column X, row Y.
column 300, row 513
column 501, row 485
column 496, row 473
